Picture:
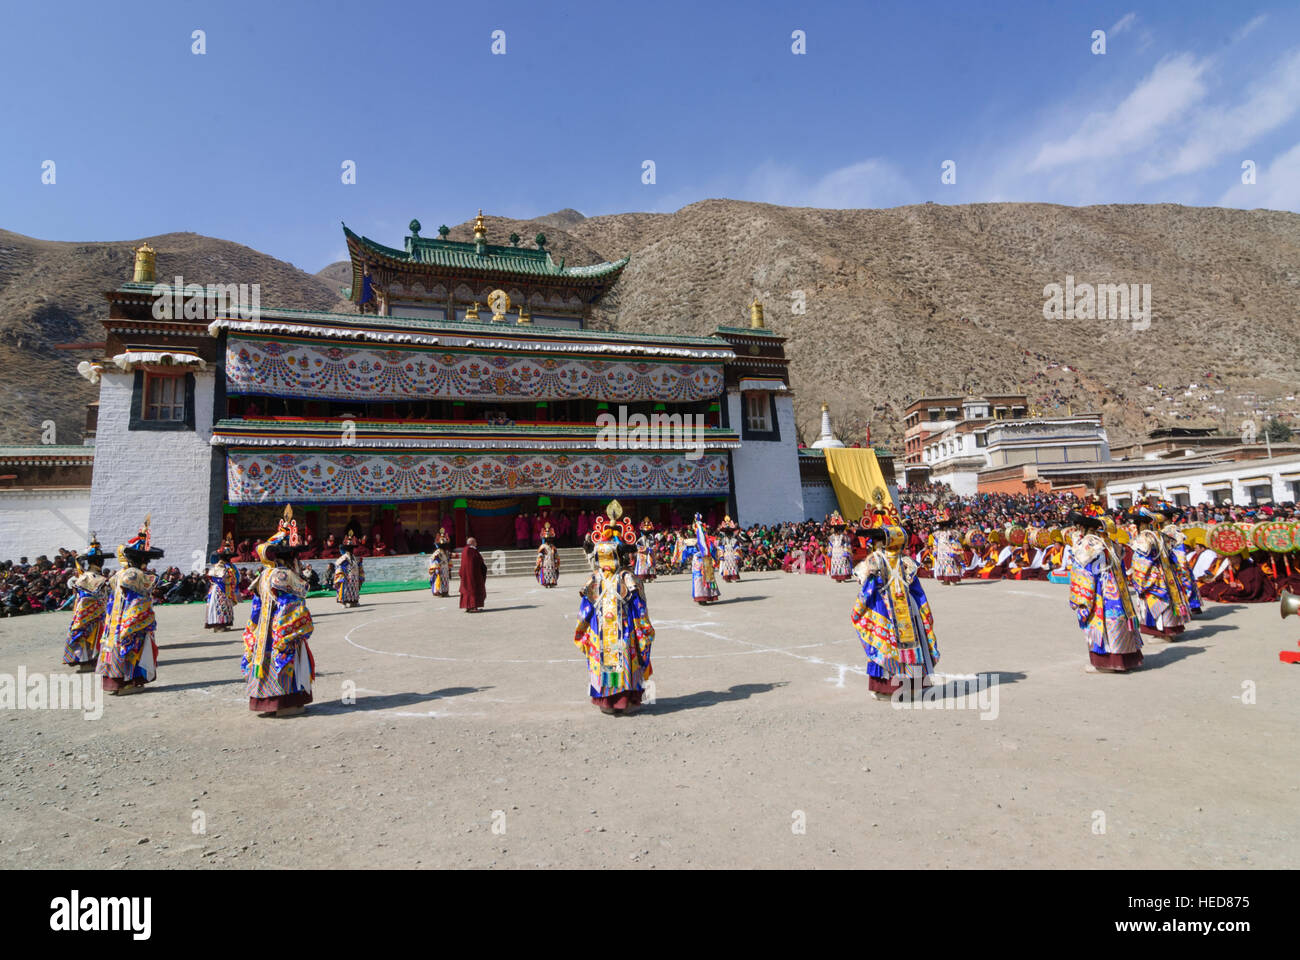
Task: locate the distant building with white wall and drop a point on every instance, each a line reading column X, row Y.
column 976, row 444
column 1242, row 483
column 44, row 499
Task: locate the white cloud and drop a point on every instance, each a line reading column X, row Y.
column 1122, row 24
column 866, row 184
column 1276, row 188
column 1249, row 28
column 1217, row 131
column 1162, row 98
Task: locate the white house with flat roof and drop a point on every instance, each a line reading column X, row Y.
column 1243, row 483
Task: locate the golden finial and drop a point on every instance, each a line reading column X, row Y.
column 614, row 511
column 756, row 315
column 144, row 264
column 825, row 406
column 480, row 231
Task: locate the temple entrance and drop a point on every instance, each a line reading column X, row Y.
column 498, row 523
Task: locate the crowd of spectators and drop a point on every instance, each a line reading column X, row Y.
column 41, row 585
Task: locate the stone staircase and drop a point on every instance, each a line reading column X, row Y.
column 519, row 563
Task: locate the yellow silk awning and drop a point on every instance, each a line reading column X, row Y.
column 856, row 476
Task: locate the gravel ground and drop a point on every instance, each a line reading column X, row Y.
column 471, row 743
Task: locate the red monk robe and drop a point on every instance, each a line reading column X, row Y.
column 473, row 577
column 1243, row 583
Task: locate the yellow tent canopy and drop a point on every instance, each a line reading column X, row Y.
column 855, row 476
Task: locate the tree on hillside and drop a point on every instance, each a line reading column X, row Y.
column 1277, row 431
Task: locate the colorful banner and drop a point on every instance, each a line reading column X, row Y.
column 329, row 477
column 324, row 371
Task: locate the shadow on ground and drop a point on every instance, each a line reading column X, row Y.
column 388, row 701
column 708, row 698
column 1159, row 655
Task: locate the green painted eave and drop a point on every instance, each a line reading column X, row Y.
column 47, row 450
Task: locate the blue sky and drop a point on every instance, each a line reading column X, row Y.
column 247, row 141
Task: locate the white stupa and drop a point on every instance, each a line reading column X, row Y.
column 827, row 439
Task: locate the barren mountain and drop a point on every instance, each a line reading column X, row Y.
column 880, row 306
column 52, row 293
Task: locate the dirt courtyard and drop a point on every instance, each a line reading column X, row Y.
column 471, row 743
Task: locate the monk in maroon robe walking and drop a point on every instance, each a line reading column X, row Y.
column 473, row 577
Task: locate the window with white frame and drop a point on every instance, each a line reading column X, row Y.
column 758, row 412
column 1259, row 493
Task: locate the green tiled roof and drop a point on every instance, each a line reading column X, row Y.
column 455, row 255
column 47, row 450
column 750, row 331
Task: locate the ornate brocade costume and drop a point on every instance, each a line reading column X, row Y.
column 1102, row 602
column 893, row 620
column 88, row 610
column 615, row 632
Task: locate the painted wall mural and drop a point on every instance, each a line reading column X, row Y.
column 330, row 477
column 287, row 368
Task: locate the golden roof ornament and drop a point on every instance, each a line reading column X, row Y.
column 756, row 315
column 480, row 231
column 525, row 315
column 472, row 312
column 145, row 263
column 498, row 303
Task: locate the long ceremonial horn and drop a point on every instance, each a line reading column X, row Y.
column 1290, row 604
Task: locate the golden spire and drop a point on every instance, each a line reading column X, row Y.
column 825, row 406
column 480, row 231
column 144, row 264
column 756, row 315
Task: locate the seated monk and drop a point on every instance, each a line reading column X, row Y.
column 995, row 562
column 1021, row 564
column 380, row 549
column 331, row 549
column 362, row 549
column 1243, row 582
column 1287, row 575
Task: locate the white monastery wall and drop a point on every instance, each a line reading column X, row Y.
column 35, row 522
column 766, row 473
column 166, row 473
